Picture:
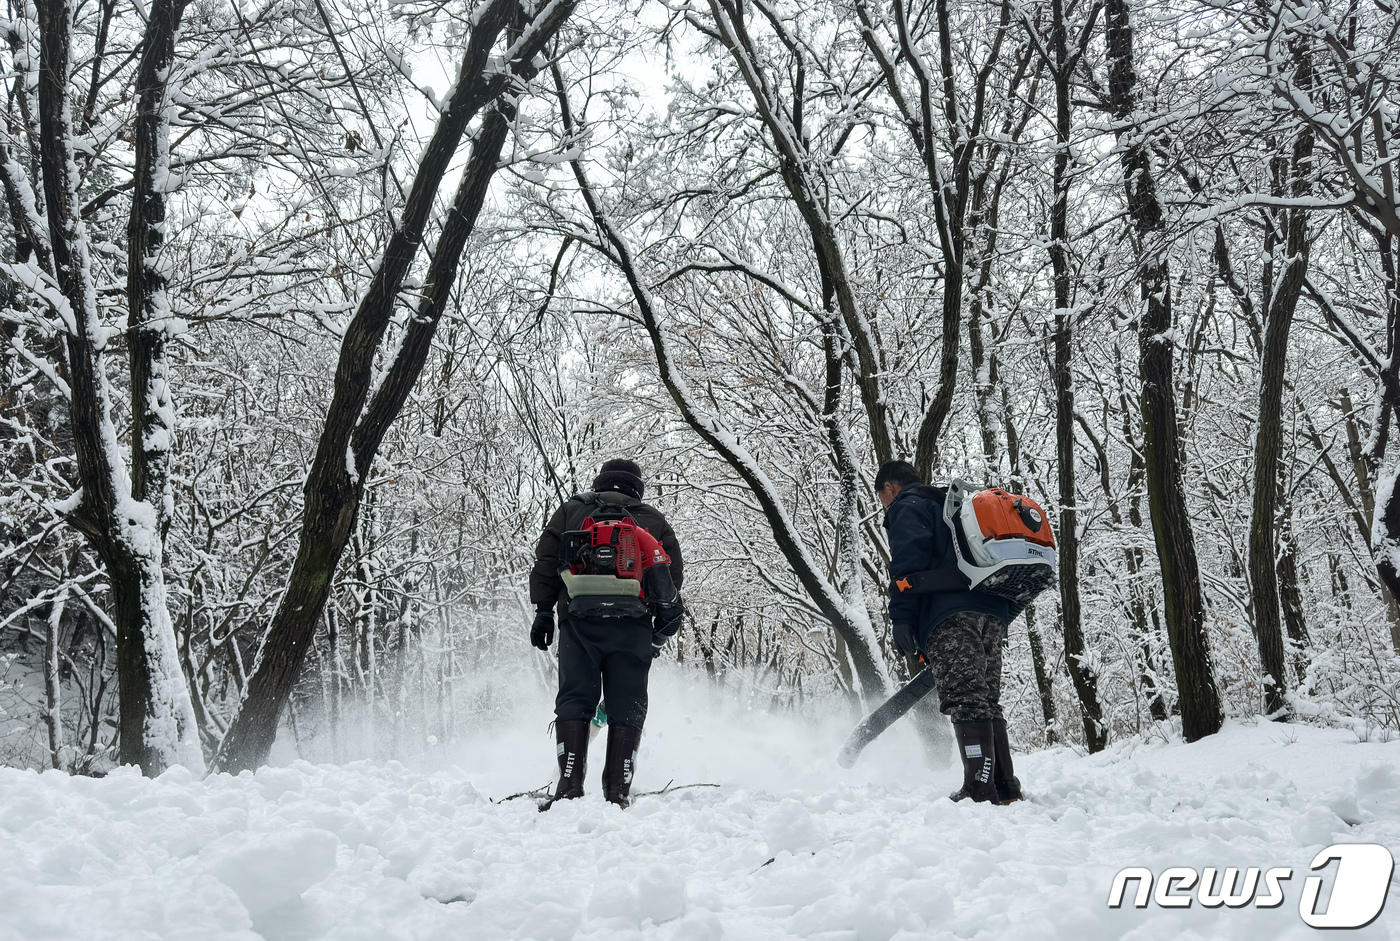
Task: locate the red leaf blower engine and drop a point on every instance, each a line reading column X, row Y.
column 614, row 568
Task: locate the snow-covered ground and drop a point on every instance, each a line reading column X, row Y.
column 789, row 847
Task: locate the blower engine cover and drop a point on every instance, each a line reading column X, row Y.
column 1003, row 541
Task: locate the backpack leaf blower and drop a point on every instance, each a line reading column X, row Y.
column 614, row 568
column 1002, row 544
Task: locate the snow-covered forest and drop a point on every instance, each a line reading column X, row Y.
column 314, row 310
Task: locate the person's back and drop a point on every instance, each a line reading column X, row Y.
column 546, row 584
column 605, row 649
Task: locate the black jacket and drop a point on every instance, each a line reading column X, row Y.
column 920, row 541
column 547, row 588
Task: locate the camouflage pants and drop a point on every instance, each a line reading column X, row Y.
column 964, row 650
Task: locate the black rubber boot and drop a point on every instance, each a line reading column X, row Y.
column 976, row 747
column 621, row 762
column 573, row 760
column 1008, row 785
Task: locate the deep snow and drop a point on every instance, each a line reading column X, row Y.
column 378, row 850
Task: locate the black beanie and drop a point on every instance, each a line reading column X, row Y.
column 622, row 475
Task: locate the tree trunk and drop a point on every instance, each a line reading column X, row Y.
column 1086, row 683
column 1141, row 598
column 1201, row 713
column 1357, row 452
column 53, row 684
column 950, row 186
column 1043, row 684
column 797, row 166
column 148, row 308
column 332, row 668
column 1385, row 543
column 1268, row 443
column 157, row 726
column 1289, row 591
column 353, row 429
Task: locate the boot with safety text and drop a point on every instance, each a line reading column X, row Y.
column 621, row 762
column 977, row 748
column 572, row 749
column 1007, row 784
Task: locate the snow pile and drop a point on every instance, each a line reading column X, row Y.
column 788, row 847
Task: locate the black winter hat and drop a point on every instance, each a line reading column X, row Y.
column 622, row 475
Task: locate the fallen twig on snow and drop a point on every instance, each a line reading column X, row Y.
column 537, row 792
column 668, row 789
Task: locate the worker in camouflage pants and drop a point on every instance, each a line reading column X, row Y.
column 964, row 650
column 958, row 632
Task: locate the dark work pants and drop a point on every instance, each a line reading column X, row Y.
column 964, row 650
column 608, row 657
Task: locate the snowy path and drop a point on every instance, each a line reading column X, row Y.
column 377, row 851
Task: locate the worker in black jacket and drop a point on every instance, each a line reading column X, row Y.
column 608, row 657
column 958, row 631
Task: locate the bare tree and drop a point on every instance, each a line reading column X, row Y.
column 364, row 403
column 113, row 508
column 957, row 182
column 1171, row 523
column 1062, row 64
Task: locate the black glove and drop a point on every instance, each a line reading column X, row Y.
column 664, row 627
column 542, row 631
column 904, row 639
